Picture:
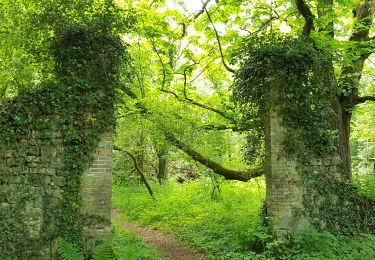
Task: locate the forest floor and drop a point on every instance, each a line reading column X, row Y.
column 170, row 247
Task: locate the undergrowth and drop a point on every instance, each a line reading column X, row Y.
column 228, row 225
column 122, row 245
column 128, row 246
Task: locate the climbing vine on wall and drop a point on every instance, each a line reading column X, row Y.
column 295, row 78
column 70, row 112
column 87, row 65
column 304, row 100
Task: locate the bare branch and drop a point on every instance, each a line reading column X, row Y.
column 219, row 43
column 265, row 24
column 217, row 127
column 206, row 67
column 223, row 114
column 202, row 10
column 308, row 15
column 234, row 128
column 161, row 62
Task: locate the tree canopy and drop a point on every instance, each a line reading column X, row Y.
column 185, row 58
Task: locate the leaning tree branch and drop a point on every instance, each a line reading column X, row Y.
column 218, row 42
column 308, row 15
column 363, row 99
column 234, row 128
column 143, row 178
column 214, row 166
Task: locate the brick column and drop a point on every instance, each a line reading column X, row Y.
column 293, row 200
column 284, row 192
column 97, row 193
column 284, row 197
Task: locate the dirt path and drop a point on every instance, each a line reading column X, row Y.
column 170, row 247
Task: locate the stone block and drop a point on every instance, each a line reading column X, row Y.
column 4, row 205
column 336, row 160
column 46, row 180
column 24, row 142
column 48, row 151
column 33, row 151
column 7, row 153
column 58, row 194
column 60, row 181
column 13, row 162
column 50, row 171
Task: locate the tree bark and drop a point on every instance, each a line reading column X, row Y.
column 349, row 82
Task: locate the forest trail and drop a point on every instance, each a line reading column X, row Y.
column 170, row 248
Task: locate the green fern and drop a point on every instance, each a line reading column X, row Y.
column 68, row 251
column 104, row 251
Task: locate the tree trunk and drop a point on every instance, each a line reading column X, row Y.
column 162, row 153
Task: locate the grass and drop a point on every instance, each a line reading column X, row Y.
column 129, row 246
column 228, row 225
column 217, row 224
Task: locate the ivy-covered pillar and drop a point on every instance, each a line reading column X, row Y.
column 284, row 192
column 55, row 151
column 288, row 95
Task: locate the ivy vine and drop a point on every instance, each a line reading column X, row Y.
column 77, row 102
column 295, row 78
column 304, row 100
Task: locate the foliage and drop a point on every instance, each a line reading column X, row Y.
column 274, row 72
column 78, row 49
column 104, row 251
column 363, row 148
column 78, row 101
column 68, row 251
column 123, row 245
column 128, row 246
column 229, row 228
column 304, row 73
column 219, row 226
column 311, row 244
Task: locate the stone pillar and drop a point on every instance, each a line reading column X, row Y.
column 97, row 192
column 284, row 197
column 295, row 197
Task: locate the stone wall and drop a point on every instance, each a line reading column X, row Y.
column 56, row 150
column 305, row 191
column 32, row 183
